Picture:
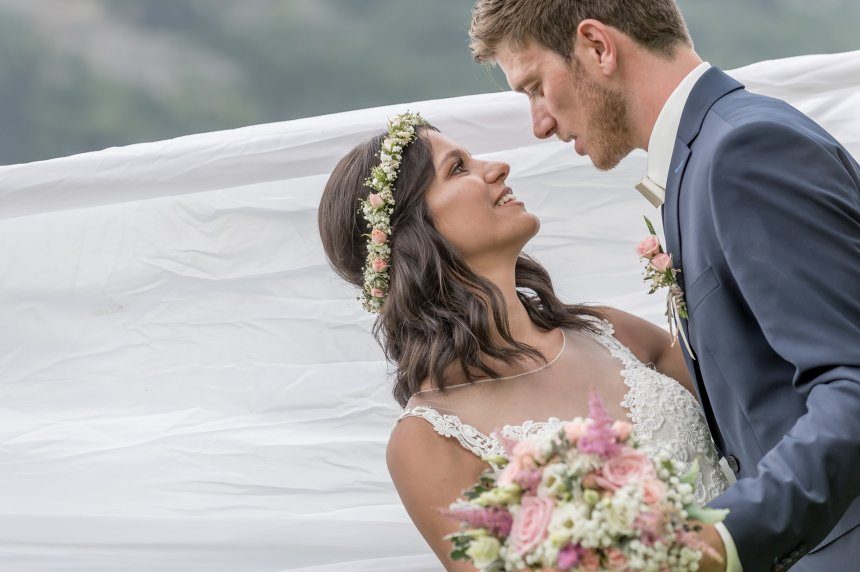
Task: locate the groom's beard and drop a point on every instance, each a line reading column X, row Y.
column 610, row 136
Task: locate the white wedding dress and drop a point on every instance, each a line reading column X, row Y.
column 664, row 414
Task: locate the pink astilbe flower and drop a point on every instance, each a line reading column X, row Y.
column 650, row 525
column 496, row 520
column 599, row 438
column 508, row 444
column 529, row 479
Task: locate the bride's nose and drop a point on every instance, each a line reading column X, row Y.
column 497, row 171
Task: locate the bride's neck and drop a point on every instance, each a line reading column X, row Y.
column 520, row 325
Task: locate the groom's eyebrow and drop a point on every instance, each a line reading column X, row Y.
column 518, row 84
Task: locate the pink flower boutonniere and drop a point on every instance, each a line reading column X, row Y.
column 660, row 273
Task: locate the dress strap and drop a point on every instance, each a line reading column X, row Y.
column 605, row 336
column 451, row 426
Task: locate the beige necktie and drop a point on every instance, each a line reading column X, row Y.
column 655, row 194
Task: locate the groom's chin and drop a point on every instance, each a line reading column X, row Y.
column 606, row 165
column 608, row 161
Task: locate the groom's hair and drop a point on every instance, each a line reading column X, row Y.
column 654, row 24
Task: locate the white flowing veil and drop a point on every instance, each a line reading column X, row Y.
column 185, row 384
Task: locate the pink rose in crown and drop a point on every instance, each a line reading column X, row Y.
column 378, row 236
column 377, row 293
column 530, row 523
column 375, row 200
column 379, row 265
column 649, row 247
column 627, row 467
column 662, row 262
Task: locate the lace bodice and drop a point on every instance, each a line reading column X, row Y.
column 665, row 417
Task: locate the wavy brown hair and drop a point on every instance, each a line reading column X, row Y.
column 438, row 316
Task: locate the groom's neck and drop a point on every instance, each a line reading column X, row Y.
column 649, row 80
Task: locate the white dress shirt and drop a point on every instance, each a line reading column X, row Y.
column 661, row 145
column 662, row 141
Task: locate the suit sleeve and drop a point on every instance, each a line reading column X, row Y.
column 786, row 209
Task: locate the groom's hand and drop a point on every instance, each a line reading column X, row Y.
column 712, row 560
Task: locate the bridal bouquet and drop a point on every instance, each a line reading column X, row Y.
column 581, row 498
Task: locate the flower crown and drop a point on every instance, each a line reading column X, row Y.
column 379, row 205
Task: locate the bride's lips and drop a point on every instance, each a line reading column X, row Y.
column 506, row 191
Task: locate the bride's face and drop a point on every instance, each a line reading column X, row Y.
column 464, row 203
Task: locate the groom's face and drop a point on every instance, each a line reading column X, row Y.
column 569, row 104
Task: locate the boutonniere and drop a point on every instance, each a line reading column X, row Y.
column 660, row 273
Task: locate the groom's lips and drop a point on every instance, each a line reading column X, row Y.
column 579, row 147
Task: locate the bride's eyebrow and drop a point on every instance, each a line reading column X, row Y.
column 450, row 155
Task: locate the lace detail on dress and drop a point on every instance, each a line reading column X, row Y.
column 469, row 437
column 665, row 417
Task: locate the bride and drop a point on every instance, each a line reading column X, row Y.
column 480, row 341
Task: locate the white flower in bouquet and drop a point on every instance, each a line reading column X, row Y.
column 581, row 497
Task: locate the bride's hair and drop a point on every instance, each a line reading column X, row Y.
column 437, row 312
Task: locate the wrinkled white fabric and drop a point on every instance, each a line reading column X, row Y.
column 184, row 383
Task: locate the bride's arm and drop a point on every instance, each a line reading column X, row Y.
column 430, row 471
column 651, row 344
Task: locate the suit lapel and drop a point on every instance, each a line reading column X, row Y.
column 712, row 86
column 671, row 211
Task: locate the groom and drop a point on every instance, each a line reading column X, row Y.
column 761, row 209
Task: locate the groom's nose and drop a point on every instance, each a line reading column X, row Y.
column 543, row 124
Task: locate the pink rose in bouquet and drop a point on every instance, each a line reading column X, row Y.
column 627, row 467
column 530, row 522
column 574, row 498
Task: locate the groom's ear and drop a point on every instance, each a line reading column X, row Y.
column 596, row 47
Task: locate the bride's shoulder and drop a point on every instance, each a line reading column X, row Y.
column 429, row 471
column 647, row 341
column 418, row 455
column 420, row 432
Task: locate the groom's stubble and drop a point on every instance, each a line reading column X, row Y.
column 607, row 118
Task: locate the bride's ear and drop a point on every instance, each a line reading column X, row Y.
column 596, row 47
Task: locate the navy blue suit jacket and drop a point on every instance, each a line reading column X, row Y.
column 762, row 216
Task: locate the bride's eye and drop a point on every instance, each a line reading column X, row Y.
column 458, row 167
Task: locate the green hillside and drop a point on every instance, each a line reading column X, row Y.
column 101, row 73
